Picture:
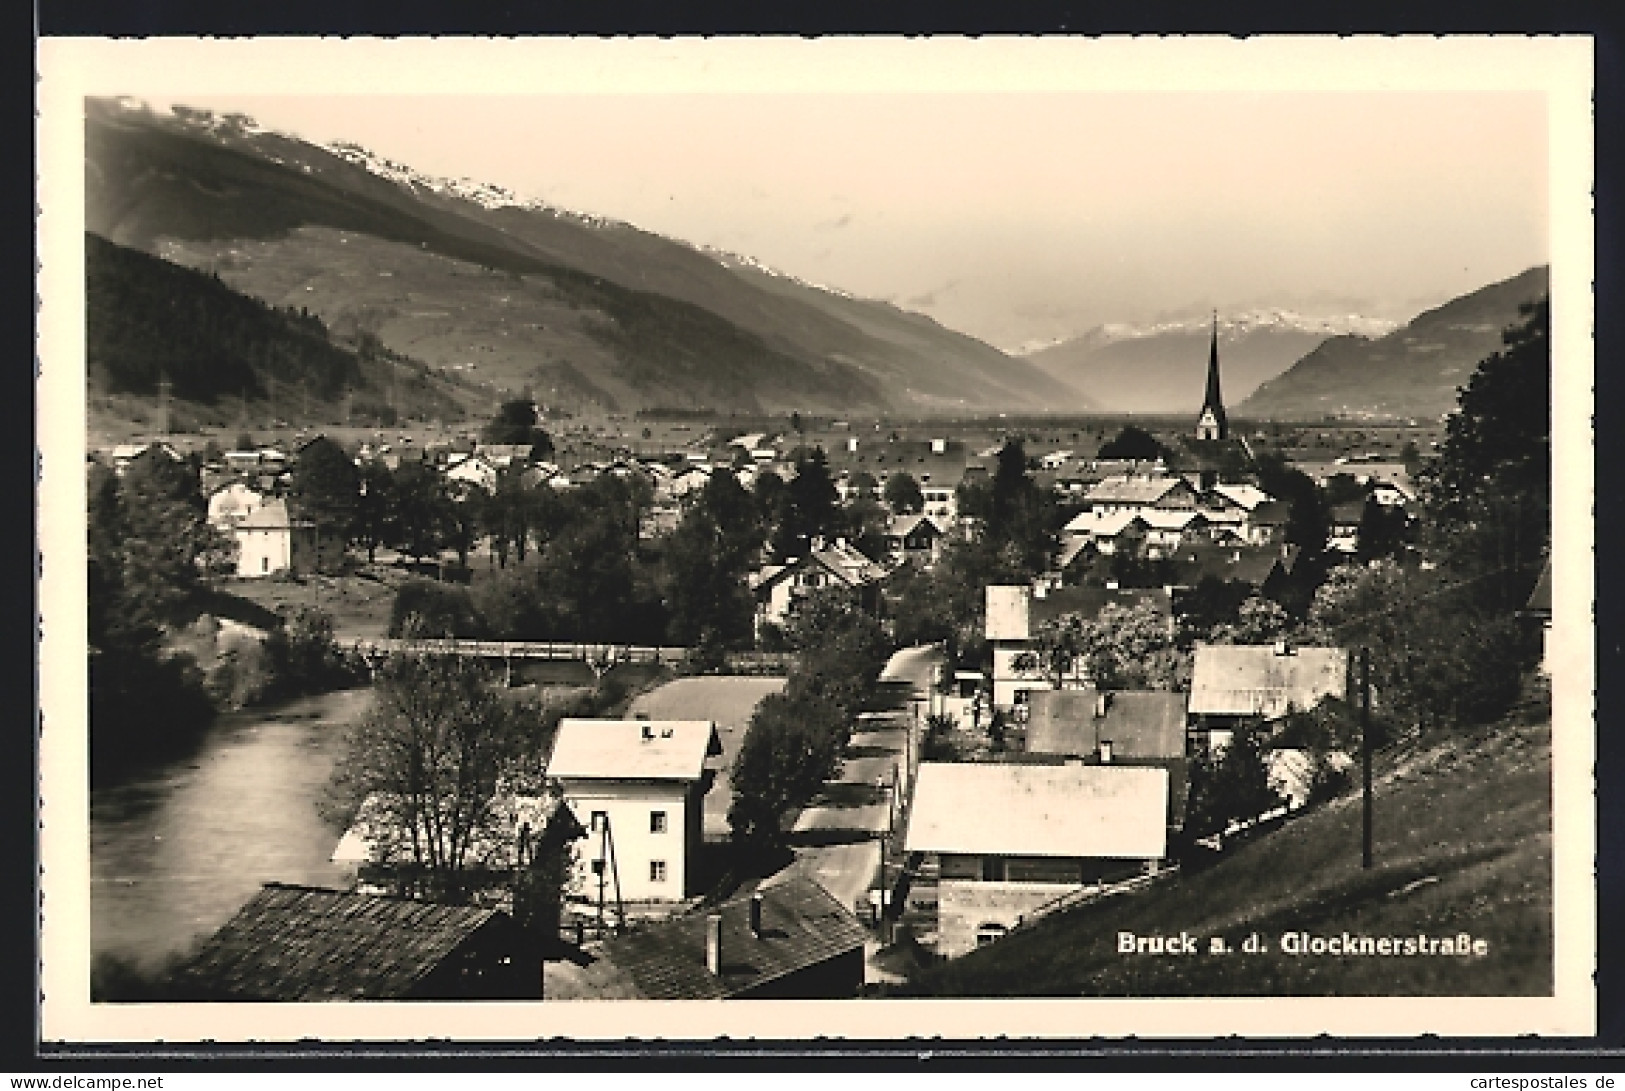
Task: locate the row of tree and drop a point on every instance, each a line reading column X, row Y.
column 795, row 739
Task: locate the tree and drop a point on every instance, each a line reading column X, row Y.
column 1132, row 443
column 419, row 511
column 705, row 562
column 807, row 508
column 1017, row 519
column 1383, row 531
column 1258, row 621
column 864, row 486
column 426, row 771
column 1488, row 494
column 373, row 502
column 516, row 422
column 1230, row 787
column 791, row 747
column 1134, row 648
column 327, row 486
column 902, row 494
column 143, row 536
column 866, row 526
column 430, row 609
column 1308, row 515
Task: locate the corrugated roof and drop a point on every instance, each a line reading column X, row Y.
column 1256, row 680
column 1112, row 811
column 802, row 926
column 306, row 943
column 1141, row 724
column 633, row 749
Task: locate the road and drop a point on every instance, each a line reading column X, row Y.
column 836, row 837
column 728, row 700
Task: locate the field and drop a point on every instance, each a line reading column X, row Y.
column 1463, row 843
column 359, row 604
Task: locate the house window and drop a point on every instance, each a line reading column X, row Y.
column 600, row 819
column 990, row 933
column 265, row 564
column 657, row 821
column 657, row 871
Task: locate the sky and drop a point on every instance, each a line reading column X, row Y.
column 1018, row 217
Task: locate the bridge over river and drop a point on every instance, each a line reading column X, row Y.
column 601, row 658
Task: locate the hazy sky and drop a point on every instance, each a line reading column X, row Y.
column 1019, row 216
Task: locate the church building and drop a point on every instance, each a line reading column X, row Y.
column 1211, row 422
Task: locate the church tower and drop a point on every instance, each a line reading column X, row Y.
column 1211, row 422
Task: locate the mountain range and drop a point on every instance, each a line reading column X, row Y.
column 1162, row 367
column 1412, row 372
column 585, row 312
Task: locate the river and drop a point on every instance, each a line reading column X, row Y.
column 179, row 848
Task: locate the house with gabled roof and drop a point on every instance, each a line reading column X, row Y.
column 787, row 940
column 778, row 587
column 1015, row 613
column 1011, row 839
column 914, row 539
column 1138, row 492
column 297, row 943
column 637, row 787
column 1114, row 727
column 276, row 537
column 1235, row 685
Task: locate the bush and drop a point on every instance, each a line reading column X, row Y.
column 425, row 608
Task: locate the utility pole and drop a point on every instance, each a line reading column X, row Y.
column 1365, row 756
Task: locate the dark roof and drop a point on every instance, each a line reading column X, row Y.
column 1090, row 601
column 1141, row 724
column 307, row 943
column 1250, row 564
column 802, row 926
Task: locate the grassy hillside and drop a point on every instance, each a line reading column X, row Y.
column 223, row 352
column 1463, row 843
column 1412, row 372
column 629, row 319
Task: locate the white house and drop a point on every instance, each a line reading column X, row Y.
column 1236, row 684
column 778, row 586
column 1010, row 839
column 1015, row 613
column 232, row 504
column 475, row 470
column 1139, row 493
column 273, row 539
column 638, row 787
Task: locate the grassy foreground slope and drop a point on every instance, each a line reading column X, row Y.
column 1463, row 842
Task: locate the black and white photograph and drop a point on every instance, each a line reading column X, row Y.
column 1019, row 537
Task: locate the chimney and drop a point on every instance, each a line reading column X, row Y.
column 1283, row 648
column 1103, row 701
column 648, row 731
column 1111, row 585
column 713, row 944
column 756, row 915
column 1040, row 590
column 1105, row 751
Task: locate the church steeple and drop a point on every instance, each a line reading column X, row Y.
column 1211, row 422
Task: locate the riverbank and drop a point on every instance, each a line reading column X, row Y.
column 179, row 847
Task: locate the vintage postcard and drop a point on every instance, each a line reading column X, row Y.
column 844, row 538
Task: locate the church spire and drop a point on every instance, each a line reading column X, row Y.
column 1211, row 423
